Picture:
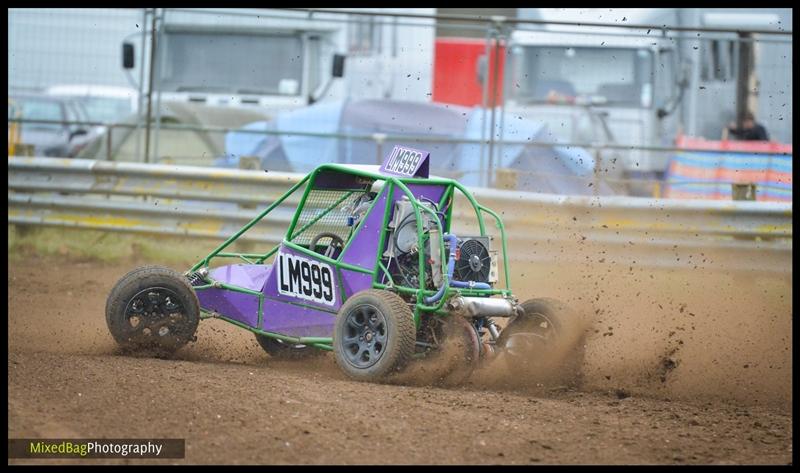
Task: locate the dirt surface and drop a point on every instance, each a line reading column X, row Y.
column 695, row 368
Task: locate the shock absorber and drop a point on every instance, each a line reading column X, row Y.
column 198, row 277
column 488, row 349
column 493, row 331
column 487, row 346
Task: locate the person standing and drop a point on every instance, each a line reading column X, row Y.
column 750, row 131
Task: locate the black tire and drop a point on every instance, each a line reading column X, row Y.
column 457, row 354
column 286, row 351
column 374, row 335
column 174, row 311
column 550, row 350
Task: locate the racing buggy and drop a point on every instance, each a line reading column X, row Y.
column 369, row 268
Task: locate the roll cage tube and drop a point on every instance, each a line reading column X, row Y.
column 451, row 264
column 498, row 223
column 204, row 262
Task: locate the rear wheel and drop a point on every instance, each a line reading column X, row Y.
column 285, row 350
column 374, row 335
column 544, row 344
column 152, row 308
column 454, row 352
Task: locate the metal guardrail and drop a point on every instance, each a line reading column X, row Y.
column 210, row 202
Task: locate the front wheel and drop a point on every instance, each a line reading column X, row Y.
column 544, row 343
column 152, row 308
column 374, row 335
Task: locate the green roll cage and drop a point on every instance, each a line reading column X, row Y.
column 419, row 292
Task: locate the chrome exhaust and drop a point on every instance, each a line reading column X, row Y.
column 471, row 307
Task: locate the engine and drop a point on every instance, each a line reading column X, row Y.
column 475, row 261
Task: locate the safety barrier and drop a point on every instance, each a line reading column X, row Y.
column 214, row 203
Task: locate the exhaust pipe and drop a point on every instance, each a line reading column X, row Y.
column 471, row 307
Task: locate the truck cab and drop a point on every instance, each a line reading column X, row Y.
column 630, row 81
column 275, row 68
column 283, row 60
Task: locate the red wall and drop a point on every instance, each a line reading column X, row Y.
column 455, row 78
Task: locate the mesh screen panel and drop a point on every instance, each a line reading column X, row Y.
column 325, row 211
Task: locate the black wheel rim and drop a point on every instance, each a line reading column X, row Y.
column 156, row 313
column 537, row 332
column 365, row 336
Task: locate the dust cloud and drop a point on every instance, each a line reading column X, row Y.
column 692, row 332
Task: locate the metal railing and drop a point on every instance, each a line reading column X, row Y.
column 215, row 203
column 382, row 137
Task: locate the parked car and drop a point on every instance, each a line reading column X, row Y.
column 58, row 136
column 105, row 104
column 185, row 147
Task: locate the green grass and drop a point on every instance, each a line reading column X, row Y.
column 107, row 247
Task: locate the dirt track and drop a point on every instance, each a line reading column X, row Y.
column 723, row 399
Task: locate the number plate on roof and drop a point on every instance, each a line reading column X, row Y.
column 407, row 162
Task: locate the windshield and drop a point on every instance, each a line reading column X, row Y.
column 106, row 109
column 37, row 109
column 233, row 63
column 587, row 75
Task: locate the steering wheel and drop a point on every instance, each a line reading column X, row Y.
column 336, row 242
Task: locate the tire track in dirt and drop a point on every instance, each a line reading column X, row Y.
column 234, row 413
column 235, row 404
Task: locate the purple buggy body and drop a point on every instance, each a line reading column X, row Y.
column 282, row 313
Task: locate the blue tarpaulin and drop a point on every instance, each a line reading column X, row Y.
column 550, row 169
